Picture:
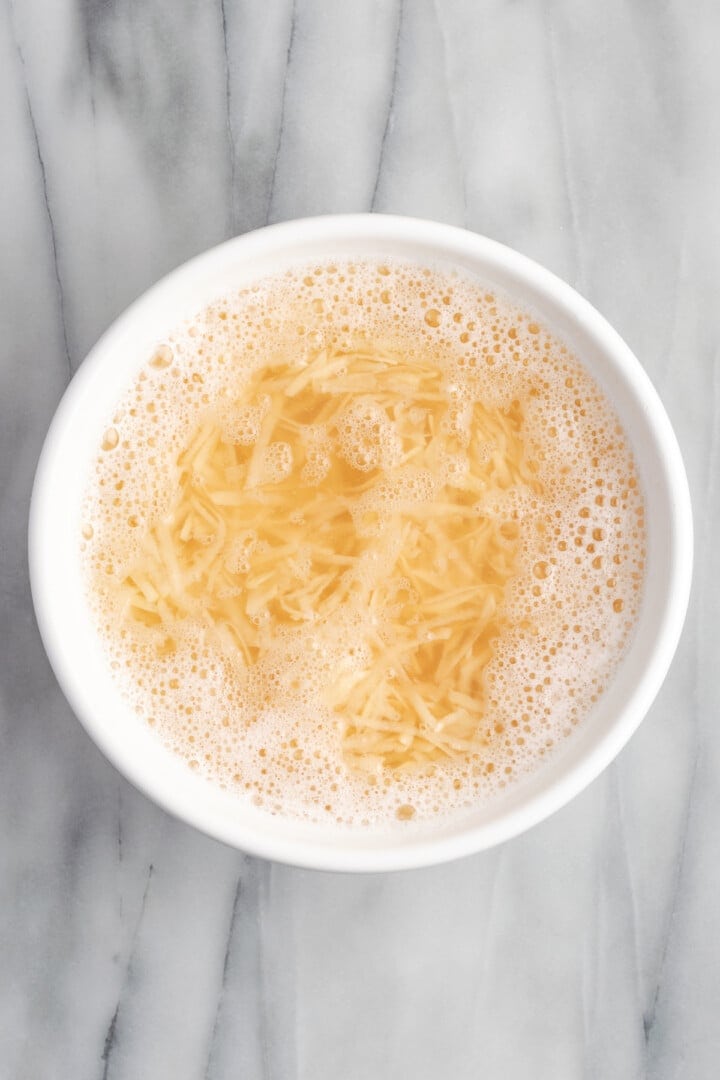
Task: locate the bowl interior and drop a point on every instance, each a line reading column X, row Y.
column 75, row 650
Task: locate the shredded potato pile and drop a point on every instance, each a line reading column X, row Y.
column 360, row 489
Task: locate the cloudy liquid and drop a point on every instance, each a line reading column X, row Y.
column 364, row 543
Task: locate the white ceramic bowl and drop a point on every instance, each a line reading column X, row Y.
column 82, row 667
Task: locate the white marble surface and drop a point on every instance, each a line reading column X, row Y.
column 135, row 134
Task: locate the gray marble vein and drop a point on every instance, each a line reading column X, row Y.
column 138, row 134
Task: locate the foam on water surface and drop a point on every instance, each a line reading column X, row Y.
column 380, row 425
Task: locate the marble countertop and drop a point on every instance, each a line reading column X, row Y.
column 137, row 134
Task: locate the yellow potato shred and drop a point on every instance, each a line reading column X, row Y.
column 360, row 489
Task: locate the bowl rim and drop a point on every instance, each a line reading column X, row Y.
column 450, row 241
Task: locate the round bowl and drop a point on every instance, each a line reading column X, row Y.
column 76, row 652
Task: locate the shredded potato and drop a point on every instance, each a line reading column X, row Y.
column 361, row 484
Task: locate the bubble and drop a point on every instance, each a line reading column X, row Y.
column 277, row 463
column 162, row 357
column 318, row 455
column 239, row 552
column 241, row 424
column 367, row 437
